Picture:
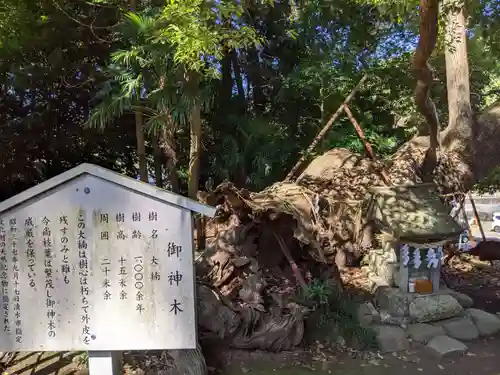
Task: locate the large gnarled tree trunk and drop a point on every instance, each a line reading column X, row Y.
column 317, row 217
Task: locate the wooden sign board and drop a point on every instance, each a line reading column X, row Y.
column 91, row 260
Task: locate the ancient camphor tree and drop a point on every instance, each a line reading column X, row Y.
column 316, row 220
column 247, row 280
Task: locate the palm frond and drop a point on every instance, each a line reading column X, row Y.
column 155, row 124
column 130, row 58
column 132, row 87
column 142, row 23
column 108, row 111
column 137, row 28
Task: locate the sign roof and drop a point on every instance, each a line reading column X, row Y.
column 138, row 187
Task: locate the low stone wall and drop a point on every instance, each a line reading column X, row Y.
column 442, row 321
column 419, row 308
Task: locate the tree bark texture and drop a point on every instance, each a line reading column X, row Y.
column 141, row 147
column 195, row 137
column 157, row 161
column 195, row 134
column 237, row 76
column 429, row 10
column 139, row 131
column 459, row 134
column 166, row 144
column 256, row 81
column 226, row 82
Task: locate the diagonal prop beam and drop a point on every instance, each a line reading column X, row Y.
column 323, row 131
column 368, row 146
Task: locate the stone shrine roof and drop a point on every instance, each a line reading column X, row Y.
column 412, row 213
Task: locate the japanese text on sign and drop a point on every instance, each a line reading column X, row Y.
column 76, row 269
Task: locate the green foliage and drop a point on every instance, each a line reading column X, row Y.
column 400, row 11
column 161, row 45
column 282, row 69
column 335, row 312
column 489, row 185
column 200, row 32
column 116, row 99
column 254, row 146
column 46, row 84
column 15, row 19
column 82, row 360
column 134, row 76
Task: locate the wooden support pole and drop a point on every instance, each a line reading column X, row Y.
column 368, row 146
column 476, row 215
column 359, row 131
column 479, row 224
column 288, row 256
column 465, row 218
column 323, row 131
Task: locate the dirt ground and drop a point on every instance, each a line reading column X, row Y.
column 479, row 280
column 480, row 360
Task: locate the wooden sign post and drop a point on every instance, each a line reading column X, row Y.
column 92, row 260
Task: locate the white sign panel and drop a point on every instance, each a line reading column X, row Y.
column 93, row 265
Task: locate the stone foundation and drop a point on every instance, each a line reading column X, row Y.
column 442, row 320
column 417, row 308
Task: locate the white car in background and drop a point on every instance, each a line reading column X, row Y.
column 495, row 226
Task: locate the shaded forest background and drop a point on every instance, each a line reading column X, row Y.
column 131, row 86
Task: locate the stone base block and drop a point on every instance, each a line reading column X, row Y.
column 421, row 308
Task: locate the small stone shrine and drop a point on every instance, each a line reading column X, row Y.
column 409, row 306
column 411, row 225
